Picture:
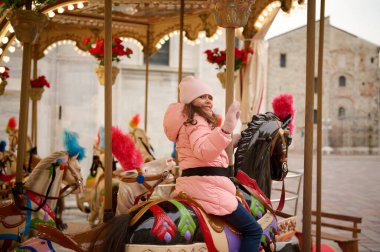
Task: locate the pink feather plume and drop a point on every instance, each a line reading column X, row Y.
column 124, row 150
column 282, row 105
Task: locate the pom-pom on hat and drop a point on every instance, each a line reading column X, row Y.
column 191, row 88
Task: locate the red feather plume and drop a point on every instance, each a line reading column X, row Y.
column 282, row 105
column 12, row 124
column 124, row 150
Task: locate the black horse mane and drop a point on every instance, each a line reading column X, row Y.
column 252, row 156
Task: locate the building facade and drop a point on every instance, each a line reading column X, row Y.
column 351, row 87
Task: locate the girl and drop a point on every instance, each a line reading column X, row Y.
column 200, row 146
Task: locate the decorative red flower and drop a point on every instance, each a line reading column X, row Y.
column 4, row 73
column 218, row 57
column 97, row 49
column 40, row 82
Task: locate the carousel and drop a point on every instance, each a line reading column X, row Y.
column 147, row 217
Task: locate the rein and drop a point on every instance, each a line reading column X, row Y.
column 143, row 180
column 55, row 165
column 149, row 150
column 46, row 197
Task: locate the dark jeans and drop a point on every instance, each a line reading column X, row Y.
column 246, row 224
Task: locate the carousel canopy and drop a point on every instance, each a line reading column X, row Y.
column 146, row 21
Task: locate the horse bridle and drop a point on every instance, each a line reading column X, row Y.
column 284, row 161
column 145, row 195
column 77, row 184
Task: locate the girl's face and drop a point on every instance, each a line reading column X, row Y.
column 204, row 102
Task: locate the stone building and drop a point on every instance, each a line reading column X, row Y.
column 351, row 87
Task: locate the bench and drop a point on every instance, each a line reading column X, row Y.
column 340, row 222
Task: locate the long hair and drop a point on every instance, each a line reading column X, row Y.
column 190, row 110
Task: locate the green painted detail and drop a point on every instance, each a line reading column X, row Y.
column 50, row 168
column 256, row 207
column 21, row 250
column 34, row 222
column 185, row 216
column 264, row 239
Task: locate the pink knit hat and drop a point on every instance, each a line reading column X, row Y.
column 191, row 88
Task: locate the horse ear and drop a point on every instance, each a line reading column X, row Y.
column 75, row 156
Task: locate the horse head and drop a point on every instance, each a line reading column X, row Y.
column 141, row 141
column 72, row 176
column 31, row 158
column 263, row 149
column 7, row 163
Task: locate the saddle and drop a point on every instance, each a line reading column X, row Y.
column 217, row 234
column 10, row 215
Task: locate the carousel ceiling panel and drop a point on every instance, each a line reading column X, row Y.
column 146, row 12
column 136, row 19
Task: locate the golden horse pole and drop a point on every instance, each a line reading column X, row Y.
column 27, row 25
column 308, row 149
column 231, row 14
column 108, row 214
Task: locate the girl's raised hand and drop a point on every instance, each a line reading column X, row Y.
column 232, row 116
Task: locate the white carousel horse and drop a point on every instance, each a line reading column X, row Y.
column 141, row 141
column 93, row 195
column 42, row 189
column 135, row 186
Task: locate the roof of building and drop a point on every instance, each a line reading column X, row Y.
column 327, row 21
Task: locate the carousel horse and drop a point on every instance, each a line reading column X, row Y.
column 7, row 172
column 31, row 158
column 94, row 189
column 140, row 139
column 264, row 138
column 180, row 224
column 42, row 189
column 89, row 200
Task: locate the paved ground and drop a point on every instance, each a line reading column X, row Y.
column 350, row 186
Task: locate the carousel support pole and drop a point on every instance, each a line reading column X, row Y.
column 34, row 101
column 23, row 115
column 231, row 14
column 27, row 25
column 230, row 65
column 319, row 125
column 309, row 108
column 147, row 62
column 108, row 213
column 181, row 24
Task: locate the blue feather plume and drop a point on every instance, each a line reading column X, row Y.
column 3, row 144
column 70, row 141
column 101, row 138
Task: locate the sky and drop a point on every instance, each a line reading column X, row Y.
column 361, row 18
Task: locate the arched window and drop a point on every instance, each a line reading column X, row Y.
column 341, row 112
column 162, row 55
column 342, row 81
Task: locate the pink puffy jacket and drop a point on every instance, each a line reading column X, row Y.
column 197, row 146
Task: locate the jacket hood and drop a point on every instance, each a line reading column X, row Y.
column 173, row 120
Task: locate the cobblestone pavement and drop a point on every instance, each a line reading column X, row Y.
column 350, row 186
